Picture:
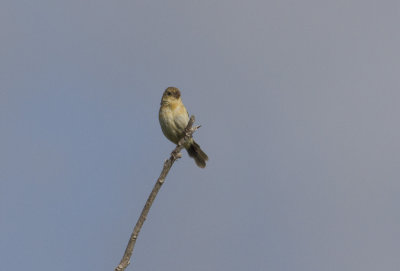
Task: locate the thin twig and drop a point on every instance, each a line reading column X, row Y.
column 175, row 154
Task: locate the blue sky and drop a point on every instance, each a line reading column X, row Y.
column 299, row 106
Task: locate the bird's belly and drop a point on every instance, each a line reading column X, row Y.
column 168, row 126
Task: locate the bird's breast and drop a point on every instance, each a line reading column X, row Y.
column 168, row 127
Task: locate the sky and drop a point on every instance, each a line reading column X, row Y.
column 299, row 107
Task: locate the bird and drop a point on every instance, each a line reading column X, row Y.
column 174, row 118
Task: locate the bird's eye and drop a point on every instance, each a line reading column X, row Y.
column 169, row 93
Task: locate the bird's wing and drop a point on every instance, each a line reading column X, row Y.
column 181, row 120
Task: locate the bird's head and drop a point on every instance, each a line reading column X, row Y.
column 171, row 95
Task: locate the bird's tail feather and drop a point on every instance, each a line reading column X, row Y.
column 198, row 155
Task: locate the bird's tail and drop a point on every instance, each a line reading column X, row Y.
column 198, row 155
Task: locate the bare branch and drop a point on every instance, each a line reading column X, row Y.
column 175, row 154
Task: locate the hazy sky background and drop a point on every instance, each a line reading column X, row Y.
column 299, row 107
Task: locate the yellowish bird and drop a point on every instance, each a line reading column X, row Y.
column 174, row 118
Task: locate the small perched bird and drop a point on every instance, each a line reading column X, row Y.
column 173, row 119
